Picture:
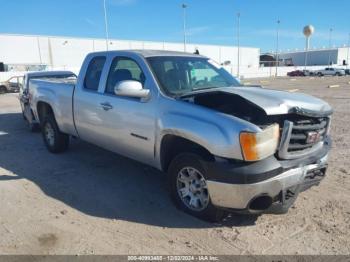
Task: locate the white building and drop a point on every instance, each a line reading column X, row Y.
column 334, row 56
column 29, row 51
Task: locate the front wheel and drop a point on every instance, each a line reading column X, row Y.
column 54, row 139
column 189, row 189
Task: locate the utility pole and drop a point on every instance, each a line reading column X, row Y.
column 347, row 56
column 39, row 50
column 238, row 43
column 106, row 23
column 184, row 6
column 277, row 46
column 330, row 45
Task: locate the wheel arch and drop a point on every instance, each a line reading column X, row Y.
column 4, row 87
column 172, row 145
column 43, row 109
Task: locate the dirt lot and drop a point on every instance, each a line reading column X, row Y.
column 90, row 201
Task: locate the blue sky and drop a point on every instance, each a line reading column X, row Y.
column 209, row 21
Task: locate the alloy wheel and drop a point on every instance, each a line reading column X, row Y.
column 192, row 189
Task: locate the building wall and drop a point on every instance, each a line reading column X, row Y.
column 315, row 57
column 343, row 55
column 68, row 53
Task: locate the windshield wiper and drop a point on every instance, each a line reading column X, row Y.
column 194, row 91
column 208, row 87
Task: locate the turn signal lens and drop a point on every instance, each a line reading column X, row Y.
column 257, row 146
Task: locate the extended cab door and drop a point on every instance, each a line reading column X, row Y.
column 124, row 125
column 85, row 100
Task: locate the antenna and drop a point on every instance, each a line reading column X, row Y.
column 106, row 23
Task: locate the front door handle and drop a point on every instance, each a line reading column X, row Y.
column 106, row 106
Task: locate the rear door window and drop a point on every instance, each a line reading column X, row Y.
column 94, row 72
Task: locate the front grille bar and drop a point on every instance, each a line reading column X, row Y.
column 287, row 135
column 311, row 127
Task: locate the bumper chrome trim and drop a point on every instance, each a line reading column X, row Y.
column 238, row 196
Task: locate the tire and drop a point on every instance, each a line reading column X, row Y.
column 181, row 169
column 54, row 139
column 3, row 90
column 319, row 74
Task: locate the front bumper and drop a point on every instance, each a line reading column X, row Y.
column 280, row 185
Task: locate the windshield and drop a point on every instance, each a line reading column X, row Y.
column 182, row 75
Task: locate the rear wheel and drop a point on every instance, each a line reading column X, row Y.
column 54, row 139
column 319, row 74
column 3, row 90
column 189, row 189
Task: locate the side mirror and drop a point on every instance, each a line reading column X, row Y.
column 131, row 88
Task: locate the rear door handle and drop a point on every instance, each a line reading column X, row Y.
column 106, row 106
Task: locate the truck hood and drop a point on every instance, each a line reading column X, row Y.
column 275, row 102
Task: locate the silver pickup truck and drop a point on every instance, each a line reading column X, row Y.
column 23, row 95
column 224, row 147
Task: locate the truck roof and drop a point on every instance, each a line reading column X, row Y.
column 48, row 73
column 150, row 53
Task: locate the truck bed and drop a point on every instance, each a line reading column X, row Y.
column 58, row 92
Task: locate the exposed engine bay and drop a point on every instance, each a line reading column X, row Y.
column 303, row 127
column 234, row 105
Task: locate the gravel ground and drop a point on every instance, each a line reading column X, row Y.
column 90, row 201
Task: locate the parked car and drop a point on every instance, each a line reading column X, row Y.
column 24, row 93
column 13, row 84
column 223, row 146
column 296, row 73
column 300, row 73
column 330, row 71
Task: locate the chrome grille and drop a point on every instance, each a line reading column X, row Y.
column 301, row 137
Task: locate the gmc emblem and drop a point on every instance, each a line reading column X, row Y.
column 312, row 137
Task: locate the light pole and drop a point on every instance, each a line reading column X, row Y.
column 50, row 52
column 277, row 44
column 184, row 6
column 330, row 45
column 238, row 43
column 39, row 50
column 64, row 44
column 347, row 55
column 106, row 23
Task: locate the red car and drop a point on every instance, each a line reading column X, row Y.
column 296, row 73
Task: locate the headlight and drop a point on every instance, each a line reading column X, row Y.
column 256, row 146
